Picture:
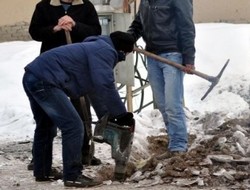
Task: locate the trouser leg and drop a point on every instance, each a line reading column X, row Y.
column 55, row 103
column 82, row 106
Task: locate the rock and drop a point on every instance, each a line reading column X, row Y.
column 242, row 161
column 220, row 158
column 240, row 149
column 137, row 176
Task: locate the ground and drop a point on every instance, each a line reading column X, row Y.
column 219, row 161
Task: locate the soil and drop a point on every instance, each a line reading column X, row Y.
column 198, row 168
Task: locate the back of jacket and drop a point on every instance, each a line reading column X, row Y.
column 82, row 68
column 74, row 67
column 46, row 15
column 166, row 26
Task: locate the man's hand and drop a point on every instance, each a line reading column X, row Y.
column 67, row 27
column 188, row 68
column 66, row 22
column 57, row 28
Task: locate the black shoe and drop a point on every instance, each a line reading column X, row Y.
column 94, row 161
column 55, row 174
column 30, row 165
column 82, row 181
column 43, row 178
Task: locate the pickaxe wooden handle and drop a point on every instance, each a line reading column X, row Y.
column 214, row 80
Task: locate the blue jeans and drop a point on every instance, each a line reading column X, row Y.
column 51, row 107
column 167, row 85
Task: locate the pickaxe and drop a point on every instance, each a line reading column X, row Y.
column 214, row 80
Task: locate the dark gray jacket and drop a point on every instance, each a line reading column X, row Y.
column 166, row 26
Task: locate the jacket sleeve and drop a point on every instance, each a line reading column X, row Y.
column 135, row 28
column 38, row 30
column 101, row 64
column 186, row 29
column 91, row 27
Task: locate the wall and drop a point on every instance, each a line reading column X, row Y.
column 15, row 15
column 234, row 11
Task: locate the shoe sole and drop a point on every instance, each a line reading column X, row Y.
column 170, row 155
column 75, row 184
column 44, row 180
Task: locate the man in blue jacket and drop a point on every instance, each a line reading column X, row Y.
column 50, row 20
column 72, row 71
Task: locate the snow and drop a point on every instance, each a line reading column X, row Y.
column 215, row 43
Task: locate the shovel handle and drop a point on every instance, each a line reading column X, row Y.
column 68, row 37
column 181, row 67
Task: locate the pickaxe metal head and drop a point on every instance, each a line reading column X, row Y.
column 214, row 80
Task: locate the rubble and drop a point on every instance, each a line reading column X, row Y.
column 218, row 156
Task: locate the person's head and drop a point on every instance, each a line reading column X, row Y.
column 122, row 41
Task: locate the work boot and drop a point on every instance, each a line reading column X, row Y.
column 30, row 165
column 94, row 161
column 55, row 174
column 170, row 154
column 82, row 181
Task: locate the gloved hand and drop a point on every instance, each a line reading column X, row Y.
column 124, row 119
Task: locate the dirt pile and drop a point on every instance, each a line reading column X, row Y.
column 218, row 158
column 221, row 158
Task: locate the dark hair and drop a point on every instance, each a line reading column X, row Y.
column 122, row 41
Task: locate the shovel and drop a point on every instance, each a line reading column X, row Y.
column 214, row 80
column 81, row 106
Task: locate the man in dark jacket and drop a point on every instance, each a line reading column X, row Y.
column 52, row 17
column 73, row 71
column 50, row 20
column 168, row 30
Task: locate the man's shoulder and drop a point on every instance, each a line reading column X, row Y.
column 99, row 39
column 43, row 2
column 101, row 43
column 88, row 2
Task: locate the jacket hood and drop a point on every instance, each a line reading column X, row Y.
column 105, row 38
column 58, row 3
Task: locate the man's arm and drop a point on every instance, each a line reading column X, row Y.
column 135, row 28
column 38, row 29
column 186, row 29
column 101, row 65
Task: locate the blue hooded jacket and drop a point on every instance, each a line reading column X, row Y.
column 82, row 68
